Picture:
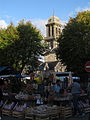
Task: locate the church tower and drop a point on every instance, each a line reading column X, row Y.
column 53, row 30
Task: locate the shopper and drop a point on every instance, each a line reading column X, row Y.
column 1, row 96
column 76, row 91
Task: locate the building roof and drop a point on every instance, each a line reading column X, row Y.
column 48, row 65
column 54, row 19
column 49, row 51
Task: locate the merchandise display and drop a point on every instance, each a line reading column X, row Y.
column 20, row 107
column 1, row 103
column 40, row 104
column 42, row 111
column 9, row 105
column 21, row 95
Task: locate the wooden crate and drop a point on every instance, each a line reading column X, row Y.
column 19, row 110
column 54, row 114
column 66, row 112
column 6, row 112
column 18, row 114
column 28, row 116
column 87, row 109
column 41, row 117
column 8, row 107
column 47, row 116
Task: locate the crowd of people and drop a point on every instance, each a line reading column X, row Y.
column 49, row 89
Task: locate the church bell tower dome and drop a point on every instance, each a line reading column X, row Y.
column 53, row 30
column 53, row 27
column 54, row 19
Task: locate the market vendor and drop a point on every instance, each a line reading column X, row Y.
column 57, row 87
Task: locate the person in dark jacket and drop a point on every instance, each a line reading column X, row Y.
column 76, row 91
column 1, row 95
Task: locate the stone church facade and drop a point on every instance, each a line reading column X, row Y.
column 53, row 30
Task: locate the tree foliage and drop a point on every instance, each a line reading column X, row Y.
column 7, row 38
column 20, row 45
column 74, row 43
column 30, row 46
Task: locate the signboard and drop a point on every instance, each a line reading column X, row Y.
column 87, row 66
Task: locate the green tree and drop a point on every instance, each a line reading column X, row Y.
column 29, row 45
column 21, row 45
column 74, row 43
column 7, row 38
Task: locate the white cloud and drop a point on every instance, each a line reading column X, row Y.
column 40, row 24
column 3, row 24
column 79, row 9
column 63, row 22
column 71, row 14
column 8, row 17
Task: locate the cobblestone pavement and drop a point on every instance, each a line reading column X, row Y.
column 73, row 118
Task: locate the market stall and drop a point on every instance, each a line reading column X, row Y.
column 22, row 107
column 29, row 103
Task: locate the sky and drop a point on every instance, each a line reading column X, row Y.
column 39, row 11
